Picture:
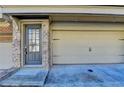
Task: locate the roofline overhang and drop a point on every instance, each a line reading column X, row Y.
column 4, row 17
column 47, row 10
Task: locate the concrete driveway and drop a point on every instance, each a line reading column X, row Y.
column 86, row 76
column 106, row 75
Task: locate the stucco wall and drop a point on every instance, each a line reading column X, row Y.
column 6, row 55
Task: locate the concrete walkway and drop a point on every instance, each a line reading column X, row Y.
column 6, row 72
column 26, row 77
column 109, row 75
column 86, row 76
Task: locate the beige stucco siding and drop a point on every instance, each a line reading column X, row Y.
column 6, row 55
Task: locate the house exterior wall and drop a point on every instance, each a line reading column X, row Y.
column 6, row 45
column 47, row 39
column 61, row 21
column 6, row 55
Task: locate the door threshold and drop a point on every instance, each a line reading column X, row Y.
column 32, row 65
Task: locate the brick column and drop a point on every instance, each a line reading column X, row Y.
column 45, row 44
column 16, row 54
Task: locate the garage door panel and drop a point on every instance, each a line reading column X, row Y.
column 78, row 47
column 87, row 60
column 85, row 51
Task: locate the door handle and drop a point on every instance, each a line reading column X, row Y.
column 90, row 49
column 56, row 39
column 25, row 50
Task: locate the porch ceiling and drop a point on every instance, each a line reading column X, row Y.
column 36, row 16
column 72, row 17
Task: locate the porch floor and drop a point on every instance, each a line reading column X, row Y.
column 6, row 72
column 26, row 77
column 104, row 75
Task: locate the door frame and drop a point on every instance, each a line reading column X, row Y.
column 44, row 26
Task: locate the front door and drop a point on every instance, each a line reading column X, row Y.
column 32, row 47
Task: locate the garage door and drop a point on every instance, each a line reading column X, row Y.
column 84, row 47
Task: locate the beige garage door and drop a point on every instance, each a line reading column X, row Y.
column 83, row 47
